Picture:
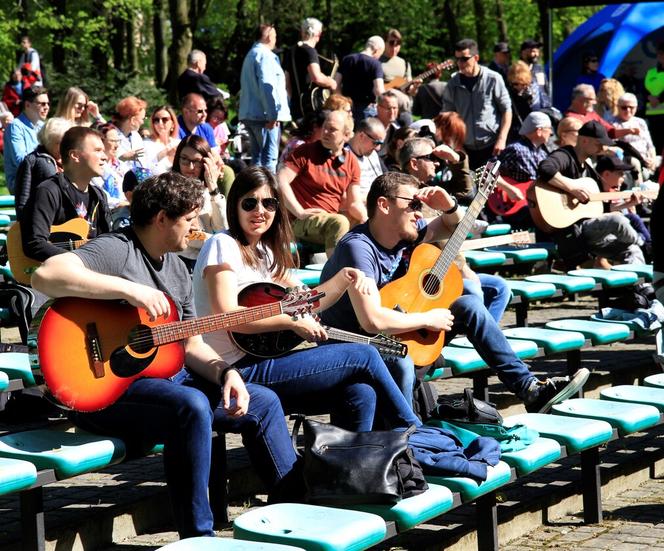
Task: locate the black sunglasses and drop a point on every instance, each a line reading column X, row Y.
column 413, row 203
column 430, row 157
column 270, row 204
column 374, row 140
column 162, row 120
column 463, row 58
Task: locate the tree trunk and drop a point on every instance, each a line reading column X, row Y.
column 502, row 24
column 181, row 44
column 132, row 50
column 480, row 24
column 98, row 55
column 160, row 54
column 453, row 28
column 57, row 50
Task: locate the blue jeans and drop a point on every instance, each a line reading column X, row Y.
column 492, row 291
column 264, row 144
column 472, row 318
column 263, row 428
column 403, row 373
column 349, row 380
column 160, row 410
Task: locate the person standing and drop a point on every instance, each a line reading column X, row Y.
column 263, row 98
column 29, row 64
column 480, row 96
column 529, row 54
column 501, row 59
column 193, row 79
column 21, row 134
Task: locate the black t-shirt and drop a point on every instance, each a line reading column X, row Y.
column 359, row 72
column 87, row 208
column 468, row 82
column 296, row 62
column 563, row 160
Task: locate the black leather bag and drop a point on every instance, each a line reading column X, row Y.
column 343, row 467
column 467, row 409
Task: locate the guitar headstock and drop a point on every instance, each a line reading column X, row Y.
column 387, row 346
column 447, row 65
column 486, row 177
column 522, row 238
column 299, row 301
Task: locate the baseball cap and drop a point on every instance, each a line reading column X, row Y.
column 502, row 47
column 612, row 163
column 534, row 121
column 530, row 43
column 593, row 129
column 425, row 128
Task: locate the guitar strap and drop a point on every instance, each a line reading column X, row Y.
column 297, row 78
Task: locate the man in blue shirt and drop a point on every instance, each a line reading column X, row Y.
column 381, row 245
column 263, row 98
column 192, row 120
column 21, row 134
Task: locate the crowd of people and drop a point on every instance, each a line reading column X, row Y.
column 346, row 163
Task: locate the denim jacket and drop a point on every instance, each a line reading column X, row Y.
column 20, row 139
column 263, row 95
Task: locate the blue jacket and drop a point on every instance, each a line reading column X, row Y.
column 263, row 94
column 20, row 139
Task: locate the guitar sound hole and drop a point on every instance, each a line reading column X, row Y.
column 140, row 339
column 431, row 284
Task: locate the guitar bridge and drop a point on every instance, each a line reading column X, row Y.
column 94, row 350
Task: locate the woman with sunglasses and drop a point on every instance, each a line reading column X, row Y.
column 76, row 107
column 160, row 150
column 195, row 159
column 346, row 380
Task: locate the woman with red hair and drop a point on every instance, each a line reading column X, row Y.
column 454, row 177
column 129, row 117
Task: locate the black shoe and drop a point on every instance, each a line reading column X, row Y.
column 543, row 395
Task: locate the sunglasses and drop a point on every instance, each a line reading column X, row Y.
column 592, row 60
column 81, row 105
column 394, row 42
column 42, row 103
column 162, row 120
column 463, row 58
column 413, row 204
column 270, row 204
column 430, row 157
column 374, row 140
column 198, row 111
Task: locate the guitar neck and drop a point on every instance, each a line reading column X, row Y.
column 453, row 246
column 346, row 336
column 426, row 74
column 519, row 237
column 180, row 330
column 613, row 195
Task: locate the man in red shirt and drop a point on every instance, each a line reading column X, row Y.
column 320, row 180
column 583, row 108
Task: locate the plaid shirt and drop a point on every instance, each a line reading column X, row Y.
column 520, row 159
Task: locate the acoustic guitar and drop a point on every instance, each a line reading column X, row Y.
column 516, row 238
column 90, row 351
column 68, row 236
column 402, row 83
column 273, row 344
column 433, row 280
column 553, row 209
column 317, row 95
column 500, row 203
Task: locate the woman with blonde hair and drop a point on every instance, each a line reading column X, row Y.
column 568, row 131
column 76, row 107
column 160, row 150
column 608, row 95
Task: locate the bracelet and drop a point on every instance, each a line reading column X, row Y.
column 214, row 192
column 454, row 208
column 224, row 371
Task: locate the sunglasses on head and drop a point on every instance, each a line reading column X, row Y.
column 413, row 203
column 270, row 204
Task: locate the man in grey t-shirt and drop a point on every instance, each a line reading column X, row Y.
column 140, row 267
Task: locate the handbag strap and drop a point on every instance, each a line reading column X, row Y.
column 298, row 418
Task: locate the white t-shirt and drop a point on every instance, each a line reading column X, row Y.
column 224, row 249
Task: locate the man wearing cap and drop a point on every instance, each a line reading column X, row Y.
column 529, row 54
column 583, row 108
column 609, row 236
column 501, row 59
column 480, row 96
column 520, row 160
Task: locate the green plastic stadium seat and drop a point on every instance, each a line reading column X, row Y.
column 5, row 221
column 597, row 332
column 521, row 255
column 415, row 510
column 11, row 212
column 67, row 453
column 636, row 394
column 308, row 277
column 16, row 475
column 6, row 271
column 656, row 381
column 483, row 259
column 550, row 340
column 643, row 270
column 224, row 544
column 317, row 267
column 312, row 527
column 576, row 434
column 6, row 201
column 4, row 381
column 625, row 417
column 522, row 348
column 608, row 278
column 637, row 329
column 462, row 360
column 17, row 366
column 531, row 290
column 567, row 284
column 497, row 229
column 470, row 489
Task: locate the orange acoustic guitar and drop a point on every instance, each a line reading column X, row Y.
column 402, row 83
column 433, row 280
column 90, row 351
